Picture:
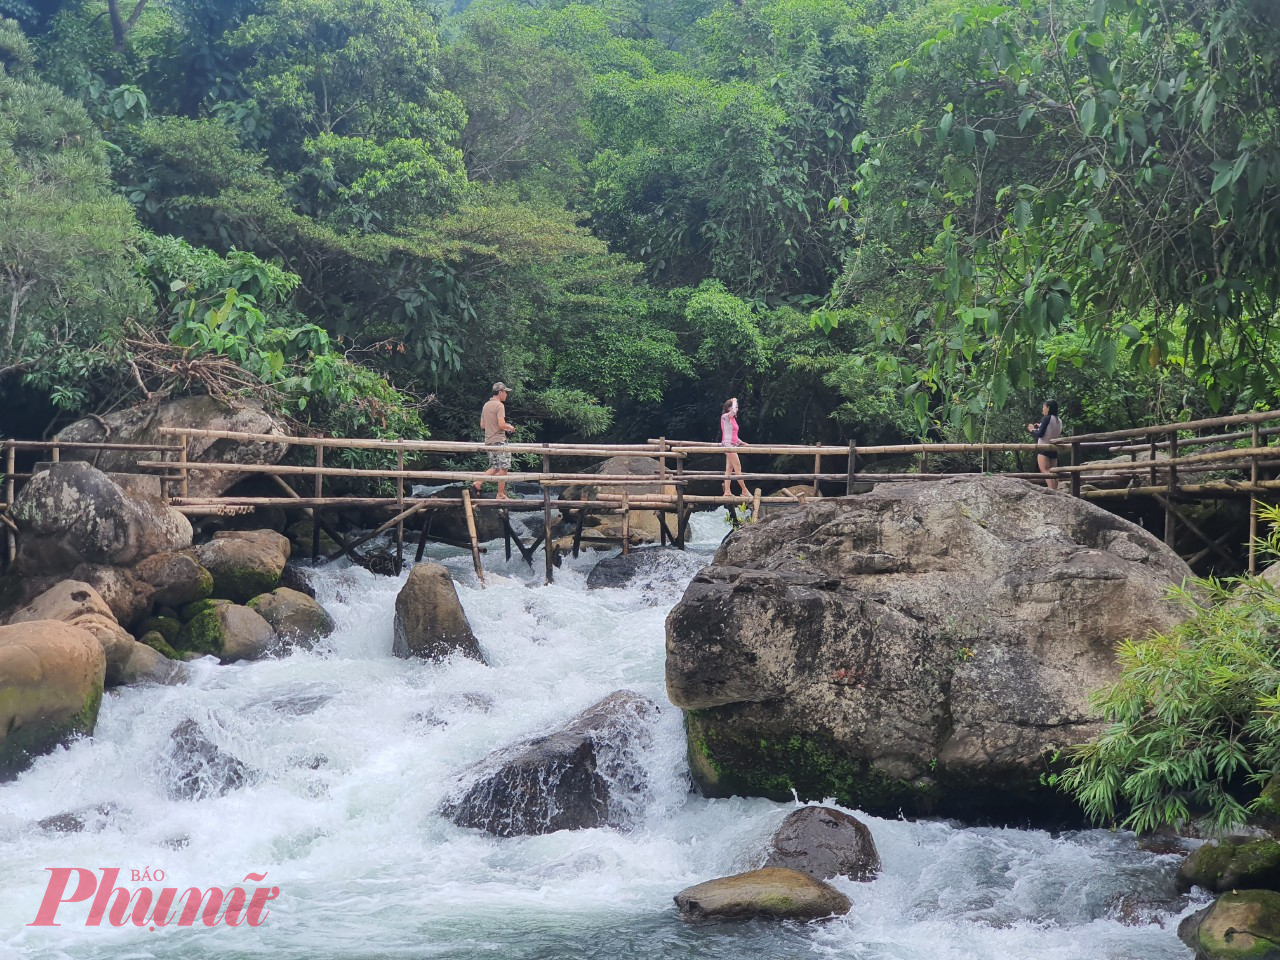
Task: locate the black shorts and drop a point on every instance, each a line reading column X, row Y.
column 1050, row 454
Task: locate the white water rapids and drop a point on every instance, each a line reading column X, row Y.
column 353, row 750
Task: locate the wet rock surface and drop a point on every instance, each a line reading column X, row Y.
column 579, row 776
column 429, row 622
column 825, row 843
column 198, row 768
column 771, row 893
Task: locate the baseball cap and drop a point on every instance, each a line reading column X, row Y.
column 500, row 386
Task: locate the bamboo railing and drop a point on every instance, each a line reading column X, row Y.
column 1153, row 462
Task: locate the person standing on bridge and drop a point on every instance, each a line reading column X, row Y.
column 729, row 439
column 1050, row 429
column 493, row 421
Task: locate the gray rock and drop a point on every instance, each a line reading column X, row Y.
column 197, row 768
column 825, row 843
column 141, row 424
column 174, row 578
column 580, row 776
column 73, row 514
column 229, row 632
column 642, row 527
column 429, row 622
column 1235, row 863
column 1241, row 925
column 644, row 565
column 296, row 618
column 922, row 648
column 244, row 563
column 772, row 893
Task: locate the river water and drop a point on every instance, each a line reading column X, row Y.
column 353, row 751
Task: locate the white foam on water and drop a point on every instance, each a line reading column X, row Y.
column 353, row 750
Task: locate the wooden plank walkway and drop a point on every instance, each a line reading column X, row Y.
column 1166, row 464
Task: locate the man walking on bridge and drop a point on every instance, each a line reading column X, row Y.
column 493, row 421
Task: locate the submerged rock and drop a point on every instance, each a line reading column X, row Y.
column 580, row 776
column 923, row 648
column 76, row 821
column 1231, row 864
column 51, row 680
column 643, row 564
column 198, row 768
column 430, row 623
column 825, row 843
column 1242, row 925
column 772, row 893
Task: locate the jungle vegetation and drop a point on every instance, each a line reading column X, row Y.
column 866, row 218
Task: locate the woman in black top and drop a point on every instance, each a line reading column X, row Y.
column 1049, row 429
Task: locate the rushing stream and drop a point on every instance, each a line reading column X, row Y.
column 353, row 751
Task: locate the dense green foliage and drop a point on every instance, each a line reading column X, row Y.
column 1194, row 721
column 865, row 218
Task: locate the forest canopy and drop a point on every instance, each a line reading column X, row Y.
column 865, row 218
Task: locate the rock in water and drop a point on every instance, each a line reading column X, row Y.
column 773, row 893
column 430, row 623
column 297, row 619
column 199, row 768
column 581, row 776
column 51, row 678
column 228, row 631
column 825, row 843
column 644, row 565
column 1231, row 864
column 72, row 514
column 1242, row 925
column 141, row 424
column 643, row 524
column 925, row 647
column 244, row 563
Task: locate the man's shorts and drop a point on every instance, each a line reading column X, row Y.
column 498, row 460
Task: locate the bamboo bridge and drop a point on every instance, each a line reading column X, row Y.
column 1171, row 466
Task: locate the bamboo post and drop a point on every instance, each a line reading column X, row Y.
column 577, row 531
column 315, row 515
column 53, row 452
column 984, row 464
column 11, row 547
column 184, row 485
column 1170, row 520
column 546, row 518
column 1253, row 503
column 471, row 532
column 400, row 509
column 817, row 471
column 853, row 467
column 680, row 525
column 626, row 524
column 1152, row 455
column 1075, row 476
column 505, row 516
column 662, row 475
column 755, row 506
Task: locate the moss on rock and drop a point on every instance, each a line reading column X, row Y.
column 192, row 610
column 202, row 634
column 21, row 745
column 1236, row 863
column 167, row 627
column 157, row 642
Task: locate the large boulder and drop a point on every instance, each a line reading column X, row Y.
column 644, row 566
column 642, row 526
column 772, row 893
column 297, row 619
column 1231, row 864
column 429, row 622
column 141, row 424
column 73, row 514
column 174, row 579
column 229, row 632
column 244, row 563
column 580, row 776
column 1242, row 925
column 51, row 679
column 926, row 647
column 825, row 843
column 78, row 604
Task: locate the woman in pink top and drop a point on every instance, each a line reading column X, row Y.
column 729, row 438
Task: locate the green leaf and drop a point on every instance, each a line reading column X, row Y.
column 1025, row 117
column 1088, row 112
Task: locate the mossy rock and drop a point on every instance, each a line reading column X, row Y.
column 156, row 641
column 727, row 761
column 202, row 634
column 227, row 631
column 22, row 745
column 1242, row 925
column 192, row 610
column 167, row 627
column 1233, row 864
